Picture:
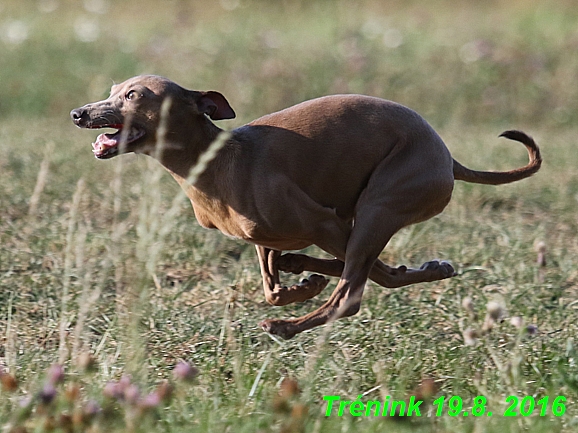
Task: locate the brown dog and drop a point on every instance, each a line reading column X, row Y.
column 342, row 172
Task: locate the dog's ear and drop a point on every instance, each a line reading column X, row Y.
column 214, row 105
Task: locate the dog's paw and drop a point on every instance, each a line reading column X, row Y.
column 282, row 328
column 443, row 269
column 314, row 285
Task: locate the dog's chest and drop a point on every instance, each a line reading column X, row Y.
column 213, row 213
column 216, row 215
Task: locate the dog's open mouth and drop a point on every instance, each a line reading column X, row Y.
column 109, row 145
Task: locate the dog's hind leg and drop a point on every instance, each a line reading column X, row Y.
column 380, row 273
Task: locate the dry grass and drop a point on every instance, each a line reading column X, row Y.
column 105, row 257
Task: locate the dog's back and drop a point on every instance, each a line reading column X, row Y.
column 330, row 146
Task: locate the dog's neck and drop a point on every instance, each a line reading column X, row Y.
column 182, row 149
column 210, row 192
column 180, row 157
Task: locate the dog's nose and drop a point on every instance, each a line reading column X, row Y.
column 78, row 115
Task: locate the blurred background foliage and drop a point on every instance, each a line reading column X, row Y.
column 512, row 67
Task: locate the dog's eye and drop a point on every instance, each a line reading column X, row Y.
column 133, row 94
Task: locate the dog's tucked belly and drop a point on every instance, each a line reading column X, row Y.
column 235, row 225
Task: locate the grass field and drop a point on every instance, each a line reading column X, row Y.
column 104, row 270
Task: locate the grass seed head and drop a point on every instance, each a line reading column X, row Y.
column 55, row 374
column 90, row 410
column 86, row 362
column 468, row 304
column 426, row 389
column 540, row 247
column 289, row 388
column 9, row 382
column 495, row 310
column 532, row 329
column 131, row 393
column 299, row 411
column 47, row 394
column 471, row 337
column 165, row 391
column 113, row 390
column 150, row 401
column 72, row 392
column 488, row 324
column 517, row 322
column 185, row 372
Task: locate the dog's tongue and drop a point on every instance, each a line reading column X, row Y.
column 105, row 141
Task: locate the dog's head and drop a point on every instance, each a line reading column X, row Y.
column 134, row 109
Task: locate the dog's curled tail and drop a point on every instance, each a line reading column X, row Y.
column 501, row 177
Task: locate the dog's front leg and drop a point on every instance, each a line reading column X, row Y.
column 275, row 293
column 345, row 301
